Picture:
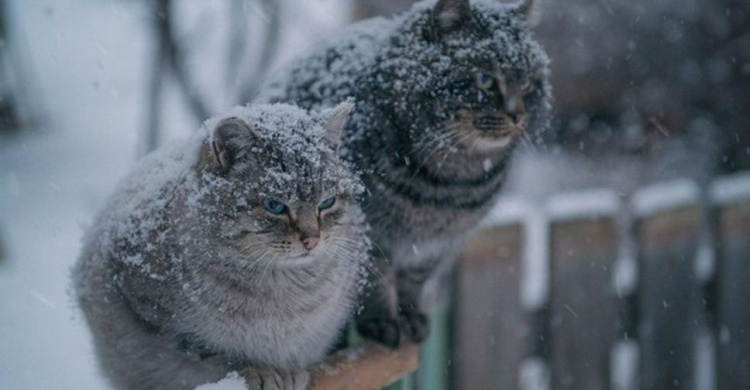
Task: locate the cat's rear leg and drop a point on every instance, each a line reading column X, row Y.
column 407, row 323
column 377, row 318
column 413, row 321
column 385, row 329
column 391, row 313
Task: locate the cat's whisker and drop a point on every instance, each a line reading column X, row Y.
column 339, row 252
column 251, row 245
column 258, row 260
column 367, row 264
column 265, row 270
column 373, row 243
column 429, row 155
column 261, row 254
column 354, row 243
column 526, row 139
column 345, row 251
column 347, row 240
column 444, row 133
column 445, row 157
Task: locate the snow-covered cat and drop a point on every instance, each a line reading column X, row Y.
column 238, row 251
column 444, row 94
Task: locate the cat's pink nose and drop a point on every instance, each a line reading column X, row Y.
column 310, row 242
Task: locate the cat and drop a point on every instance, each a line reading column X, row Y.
column 239, row 251
column 445, row 93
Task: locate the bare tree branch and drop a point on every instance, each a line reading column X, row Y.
column 153, row 101
column 167, row 56
column 237, row 37
column 170, row 59
column 272, row 9
column 176, row 60
column 10, row 118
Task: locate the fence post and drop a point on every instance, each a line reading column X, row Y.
column 535, row 299
column 731, row 198
column 434, row 372
column 625, row 353
column 491, row 330
column 668, row 232
column 583, row 305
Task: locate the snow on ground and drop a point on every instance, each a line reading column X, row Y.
column 233, row 381
column 89, row 61
column 52, row 180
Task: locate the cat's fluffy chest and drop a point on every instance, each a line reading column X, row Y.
column 266, row 325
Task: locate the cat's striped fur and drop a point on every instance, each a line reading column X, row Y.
column 444, row 93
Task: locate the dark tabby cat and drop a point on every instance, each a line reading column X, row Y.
column 238, row 252
column 444, row 93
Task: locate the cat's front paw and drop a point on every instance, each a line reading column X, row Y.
column 415, row 326
column 268, row 378
column 409, row 326
column 384, row 330
column 296, row 379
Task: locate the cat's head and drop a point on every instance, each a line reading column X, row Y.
column 279, row 192
column 478, row 75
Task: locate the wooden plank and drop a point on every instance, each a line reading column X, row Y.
column 668, row 297
column 583, row 308
column 491, row 334
column 734, row 295
column 364, row 367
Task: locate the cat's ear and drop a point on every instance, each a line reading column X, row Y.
column 335, row 123
column 228, row 139
column 449, row 15
column 527, row 10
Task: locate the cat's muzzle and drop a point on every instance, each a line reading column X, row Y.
column 488, row 123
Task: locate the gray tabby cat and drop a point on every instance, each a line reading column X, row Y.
column 444, row 94
column 237, row 252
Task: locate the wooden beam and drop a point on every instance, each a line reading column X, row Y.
column 365, row 367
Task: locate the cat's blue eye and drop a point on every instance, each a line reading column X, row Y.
column 484, row 80
column 327, row 204
column 274, row 206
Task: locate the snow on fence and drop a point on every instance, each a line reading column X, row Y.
column 593, row 291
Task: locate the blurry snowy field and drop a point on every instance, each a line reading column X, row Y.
column 89, row 62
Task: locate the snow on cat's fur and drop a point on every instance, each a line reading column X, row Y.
column 237, row 251
column 444, row 94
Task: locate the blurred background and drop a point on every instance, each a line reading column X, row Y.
column 616, row 258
